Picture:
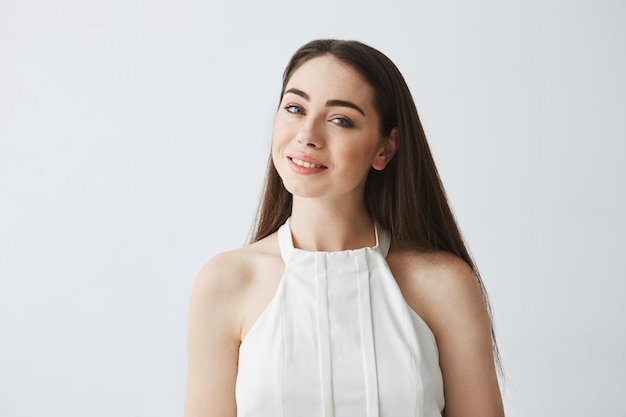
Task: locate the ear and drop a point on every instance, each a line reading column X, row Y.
column 390, row 146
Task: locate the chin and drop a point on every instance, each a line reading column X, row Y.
column 302, row 191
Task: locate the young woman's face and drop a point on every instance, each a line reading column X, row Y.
column 326, row 132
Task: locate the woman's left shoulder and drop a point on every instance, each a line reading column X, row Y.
column 438, row 285
column 446, row 293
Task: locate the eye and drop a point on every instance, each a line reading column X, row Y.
column 292, row 108
column 342, row 122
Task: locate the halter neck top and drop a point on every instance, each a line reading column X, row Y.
column 338, row 340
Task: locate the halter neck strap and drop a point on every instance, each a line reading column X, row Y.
column 285, row 241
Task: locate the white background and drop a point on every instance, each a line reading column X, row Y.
column 133, row 141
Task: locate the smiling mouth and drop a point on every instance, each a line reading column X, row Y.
column 305, row 164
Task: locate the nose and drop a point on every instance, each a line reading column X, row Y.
column 311, row 134
column 308, row 141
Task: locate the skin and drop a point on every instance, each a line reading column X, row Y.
column 315, row 123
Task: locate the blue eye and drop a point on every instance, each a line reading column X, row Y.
column 342, row 122
column 294, row 109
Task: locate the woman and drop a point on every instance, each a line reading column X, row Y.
column 357, row 296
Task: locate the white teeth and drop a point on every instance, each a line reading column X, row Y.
column 305, row 164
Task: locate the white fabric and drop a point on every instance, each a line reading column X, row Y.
column 338, row 340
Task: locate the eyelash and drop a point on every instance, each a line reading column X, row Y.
column 339, row 121
column 290, row 108
column 345, row 123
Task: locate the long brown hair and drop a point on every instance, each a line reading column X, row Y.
column 407, row 197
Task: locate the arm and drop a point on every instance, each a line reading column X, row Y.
column 213, row 342
column 463, row 334
column 444, row 291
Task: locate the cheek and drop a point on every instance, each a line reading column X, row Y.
column 280, row 132
column 275, row 153
column 361, row 157
column 278, row 144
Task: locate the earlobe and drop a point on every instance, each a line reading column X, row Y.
column 390, row 146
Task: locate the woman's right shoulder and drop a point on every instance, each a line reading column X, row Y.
column 227, row 274
column 219, row 313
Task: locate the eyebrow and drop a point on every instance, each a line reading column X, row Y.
column 329, row 103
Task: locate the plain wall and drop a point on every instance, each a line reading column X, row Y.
column 133, row 142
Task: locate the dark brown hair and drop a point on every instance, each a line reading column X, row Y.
column 407, row 197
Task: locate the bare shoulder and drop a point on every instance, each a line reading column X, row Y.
column 227, row 276
column 433, row 281
column 221, row 275
column 445, row 292
column 229, row 269
column 240, row 282
column 225, row 297
column 225, row 273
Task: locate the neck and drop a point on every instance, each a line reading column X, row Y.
column 323, row 226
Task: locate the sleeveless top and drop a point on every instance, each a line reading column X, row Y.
column 338, row 340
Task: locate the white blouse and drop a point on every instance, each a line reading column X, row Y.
column 338, row 340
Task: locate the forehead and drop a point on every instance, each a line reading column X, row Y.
column 326, row 77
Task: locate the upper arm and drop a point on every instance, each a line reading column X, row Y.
column 449, row 298
column 213, row 342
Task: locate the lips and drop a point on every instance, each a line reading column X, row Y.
column 306, row 164
column 306, row 161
